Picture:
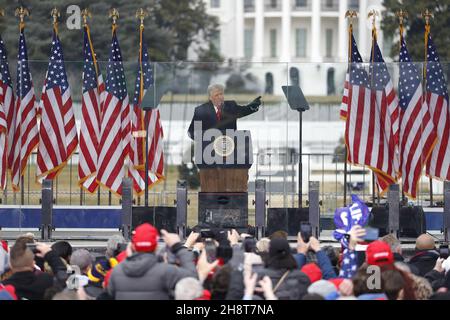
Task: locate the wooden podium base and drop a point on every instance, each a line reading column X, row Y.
column 223, row 180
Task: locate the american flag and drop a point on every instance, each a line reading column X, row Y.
column 115, row 133
column 364, row 133
column 384, row 150
column 344, row 105
column 25, row 128
column 93, row 87
column 417, row 132
column 3, row 148
column 438, row 165
column 152, row 121
column 6, row 114
column 57, row 132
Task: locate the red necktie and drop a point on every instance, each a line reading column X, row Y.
column 219, row 113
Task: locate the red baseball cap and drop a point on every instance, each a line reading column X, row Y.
column 379, row 253
column 145, row 238
column 313, row 271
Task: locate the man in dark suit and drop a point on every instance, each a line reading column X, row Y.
column 218, row 113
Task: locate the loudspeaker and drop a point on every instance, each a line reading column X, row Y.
column 223, row 209
column 160, row 217
column 412, row 221
column 286, row 219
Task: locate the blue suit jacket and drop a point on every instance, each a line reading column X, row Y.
column 206, row 114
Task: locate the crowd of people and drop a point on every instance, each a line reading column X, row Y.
column 222, row 264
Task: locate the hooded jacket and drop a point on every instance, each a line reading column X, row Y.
column 142, row 277
column 423, row 262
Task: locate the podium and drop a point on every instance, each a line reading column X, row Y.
column 223, row 180
column 223, row 159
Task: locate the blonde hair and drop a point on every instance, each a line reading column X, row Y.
column 215, row 86
column 263, row 245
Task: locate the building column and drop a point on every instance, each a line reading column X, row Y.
column 316, row 35
column 258, row 47
column 285, row 55
column 363, row 30
column 343, row 28
column 239, row 29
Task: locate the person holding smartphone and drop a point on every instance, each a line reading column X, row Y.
column 31, row 284
column 307, row 243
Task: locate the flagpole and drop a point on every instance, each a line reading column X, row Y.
column 373, row 14
column 21, row 12
column 114, row 15
column 427, row 15
column 350, row 14
column 141, row 14
column 401, row 15
column 85, row 13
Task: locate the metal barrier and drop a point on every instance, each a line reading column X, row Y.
column 277, row 168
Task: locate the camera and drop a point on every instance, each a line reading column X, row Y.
column 305, row 231
column 207, row 234
column 211, row 251
column 443, row 250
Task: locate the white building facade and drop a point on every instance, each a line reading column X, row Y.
column 279, row 36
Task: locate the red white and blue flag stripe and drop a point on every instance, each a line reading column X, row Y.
column 438, row 165
column 57, row 132
column 91, row 108
column 417, row 133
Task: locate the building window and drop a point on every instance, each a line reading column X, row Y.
column 215, row 3
column 354, row 4
column 273, row 43
column 300, row 3
column 215, row 40
column 248, row 43
column 328, row 42
column 269, row 83
column 329, row 3
column 249, row 5
column 331, row 88
column 294, row 75
column 300, row 42
column 272, row 5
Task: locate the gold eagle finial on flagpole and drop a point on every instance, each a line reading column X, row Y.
column 21, row 12
column 85, row 14
column 141, row 14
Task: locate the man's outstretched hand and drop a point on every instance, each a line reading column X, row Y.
column 254, row 105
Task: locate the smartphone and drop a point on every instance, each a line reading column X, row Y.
column 305, row 231
column 443, row 251
column 372, row 234
column 211, row 251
